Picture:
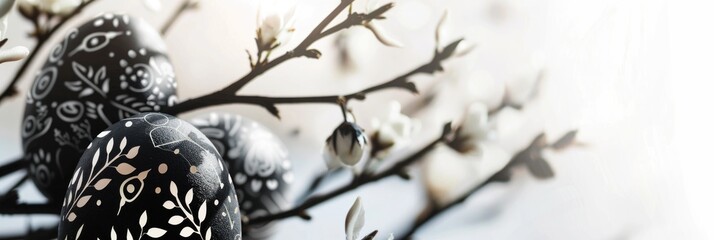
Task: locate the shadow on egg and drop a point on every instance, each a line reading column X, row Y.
column 258, row 162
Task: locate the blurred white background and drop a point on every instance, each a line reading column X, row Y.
column 634, row 76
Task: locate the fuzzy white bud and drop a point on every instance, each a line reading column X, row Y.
column 275, row 25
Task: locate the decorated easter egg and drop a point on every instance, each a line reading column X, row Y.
column 152, row 176
column 109, row 68
column 258, row 162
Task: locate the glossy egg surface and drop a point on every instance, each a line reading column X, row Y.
column 150, row 176
column 109, row 68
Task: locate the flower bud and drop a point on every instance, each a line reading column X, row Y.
column 473, row 129
column 354, row 220
column 347, row 144
column 394, row 131
column 275, row 26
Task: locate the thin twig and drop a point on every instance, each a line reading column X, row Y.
column 227, row 95
column 13, row 166
column 523, row 157
column 35, row 234
column 29, row 208
column 185, row 5
column 42, row 40
column 433, row 212
column 358, row 182
column 400, row 82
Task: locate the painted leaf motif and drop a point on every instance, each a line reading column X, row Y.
column 173, row 188
column 128, row 235
column 113, row 234
column 71, row 217
column 79, row 232
column 208, row 234
column 132, row 152
column 125, row 168
column 169, row 205
column 202, row 212
column 156, row 232
column 102, row 183
column 102, row 134
column 142, row 220
column 95, row 158
column 86, row 92
column 189, row 197
column 176, row 220
column 83, row 201
column 186, row 231
column 110, row 145
column 122, row 144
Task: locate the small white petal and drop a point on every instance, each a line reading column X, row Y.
column 5, row 7
column 381, row 36
column 13, row 54
column 153, row 5
column 354, row 220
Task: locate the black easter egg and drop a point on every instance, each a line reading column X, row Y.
column 150, row 176
column 109, row 68
column 258, row 162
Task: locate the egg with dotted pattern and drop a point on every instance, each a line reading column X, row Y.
column 258, row 162
column 109, row 68
column 150, row 176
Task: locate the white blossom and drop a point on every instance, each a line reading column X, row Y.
column 449, row 175
column 473, row 130
column 354, row 220
column 54, row 7
column 275, row 24
column 394, row 131
column 346, row 145
column 153, row 5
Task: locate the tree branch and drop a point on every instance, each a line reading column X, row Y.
column 185, row 6
column 13, row 166
column 400, row 82
column 356, row 183
column 528, row 156
column 42, row 39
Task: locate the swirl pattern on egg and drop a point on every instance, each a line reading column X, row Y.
column 258, row 162
column 109, row 68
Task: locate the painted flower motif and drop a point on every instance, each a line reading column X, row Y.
column 354, row 220
column 346, row 145
column 53, row 7
column 376, row 29
column 473, row 131
column 393, row 132
column 275, row 25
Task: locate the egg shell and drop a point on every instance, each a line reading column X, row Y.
column 258, row 162
column 150, row 174
column 109, row 68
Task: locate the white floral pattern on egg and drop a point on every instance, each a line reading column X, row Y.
column 158, row 176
